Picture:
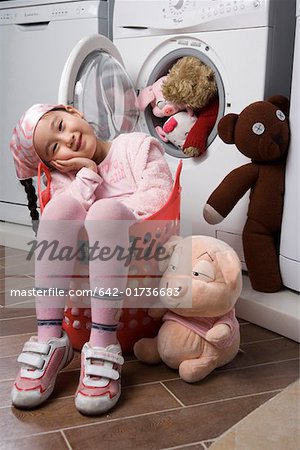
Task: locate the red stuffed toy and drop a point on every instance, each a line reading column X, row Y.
column 260, row 132
column 196, row 141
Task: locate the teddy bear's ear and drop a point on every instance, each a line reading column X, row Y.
column 226, row 128
column 281, row 102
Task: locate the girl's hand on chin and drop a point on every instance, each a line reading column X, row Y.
column 74, row 164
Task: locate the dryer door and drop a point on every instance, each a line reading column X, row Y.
column 95, row 82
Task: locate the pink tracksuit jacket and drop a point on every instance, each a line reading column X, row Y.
column 135, row 172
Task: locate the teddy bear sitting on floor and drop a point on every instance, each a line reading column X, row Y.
column 260, row 132
column 202, row 281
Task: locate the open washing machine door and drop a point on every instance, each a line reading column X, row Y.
column 95, row 82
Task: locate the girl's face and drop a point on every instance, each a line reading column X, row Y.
column 64, row 134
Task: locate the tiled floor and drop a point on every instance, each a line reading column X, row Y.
column 157, row 410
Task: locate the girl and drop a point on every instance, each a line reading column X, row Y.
column 104, row 187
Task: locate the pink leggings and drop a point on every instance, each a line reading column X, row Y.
column 107, row 225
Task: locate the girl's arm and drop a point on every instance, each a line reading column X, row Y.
column 84, row 183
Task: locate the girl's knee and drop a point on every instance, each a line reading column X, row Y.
column 109, row 209
column 64, row 207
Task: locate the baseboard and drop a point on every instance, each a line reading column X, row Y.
column 278, row 312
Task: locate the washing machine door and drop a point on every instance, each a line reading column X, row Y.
column 95, row 82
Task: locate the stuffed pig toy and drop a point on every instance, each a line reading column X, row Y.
column 176, row 128
column 202, row 279
column 152, row 95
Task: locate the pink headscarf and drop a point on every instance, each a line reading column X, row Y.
column 25, row 157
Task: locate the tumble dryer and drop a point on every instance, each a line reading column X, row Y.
column 248, row 44
column 36, row 38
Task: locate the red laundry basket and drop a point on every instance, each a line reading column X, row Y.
column 135, row 323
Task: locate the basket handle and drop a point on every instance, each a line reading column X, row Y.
column 177, row 176
column 42, row 168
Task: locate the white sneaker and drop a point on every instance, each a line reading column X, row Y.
column 41, row 363
column 99, row 386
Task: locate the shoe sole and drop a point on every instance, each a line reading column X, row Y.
column 92, row 406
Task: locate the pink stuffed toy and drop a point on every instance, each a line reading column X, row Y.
column 201, row 283
column 152, row 95
column 176, row 128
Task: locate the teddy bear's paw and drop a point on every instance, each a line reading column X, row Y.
column 146, row 351
column 211, row 215
column 191, row 151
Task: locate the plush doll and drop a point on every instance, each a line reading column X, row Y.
column 176, row 128
column 202, row 281
column 192, row 83
column 260, row 132
column 152, row 95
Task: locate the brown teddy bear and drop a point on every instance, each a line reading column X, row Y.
column 260, row 132
column 192, row 84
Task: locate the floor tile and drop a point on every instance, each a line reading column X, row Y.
column 67, row 380
column 12, row 345
column 263, row 352
column 8, row 367
column 136, row 373
column 252, row 333
column 233, row 383
column 17, row 326
column 61, row 413
column 7, row 313
column 165, row 429
column 51, row 441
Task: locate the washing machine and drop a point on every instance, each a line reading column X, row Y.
column 36, row 38
column 248, row 44
column 290, row 238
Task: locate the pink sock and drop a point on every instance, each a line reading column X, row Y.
column 104, row 324
column 49, row 321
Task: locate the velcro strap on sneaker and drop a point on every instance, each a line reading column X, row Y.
column 37, row 347
column 102, row 371
column 31, row 360
column 115, row 358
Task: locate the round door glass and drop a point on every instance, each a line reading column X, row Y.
column 105, row 96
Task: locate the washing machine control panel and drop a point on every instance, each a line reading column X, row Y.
column 148, row 17
column 193, row 12
column 51, row 12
